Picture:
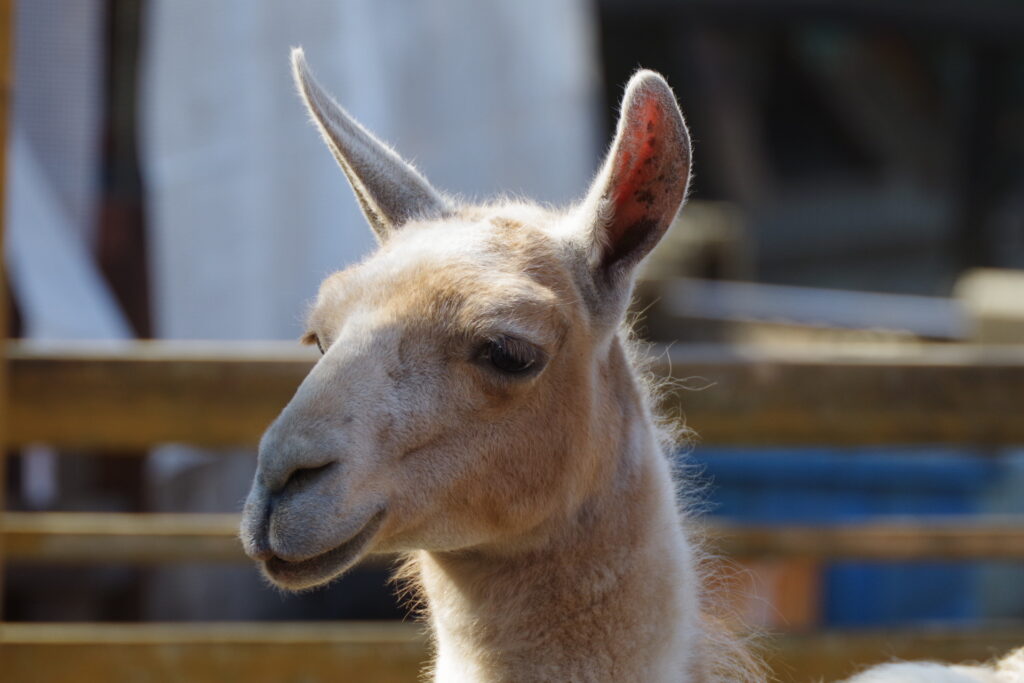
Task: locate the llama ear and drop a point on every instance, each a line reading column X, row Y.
column 389, row 190
column 643, row 181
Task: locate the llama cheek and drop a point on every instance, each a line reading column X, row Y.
column 494, row 393
column 384, row 434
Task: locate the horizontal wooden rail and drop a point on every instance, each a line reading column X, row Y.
column 382, row 653
column 113, row 538
column 208, row 653
column 107, row 538
column 934, row 394
column 889, row 540
column 131, row 396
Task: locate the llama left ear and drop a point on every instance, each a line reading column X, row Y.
column 641, row 185
column 389, row 190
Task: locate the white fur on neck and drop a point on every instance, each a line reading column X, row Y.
column 652, row 591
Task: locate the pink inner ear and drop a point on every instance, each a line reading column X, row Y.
column 637, row 169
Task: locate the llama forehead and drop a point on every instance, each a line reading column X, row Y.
column 478, row 275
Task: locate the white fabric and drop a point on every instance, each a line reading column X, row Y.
column 247, row 209
column 58, row 97
column 59, row 291
column 53, row 161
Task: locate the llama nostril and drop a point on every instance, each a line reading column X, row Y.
column 303, row 477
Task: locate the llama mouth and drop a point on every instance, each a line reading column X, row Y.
column 321, row 568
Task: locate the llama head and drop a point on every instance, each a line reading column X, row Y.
column 458, row 400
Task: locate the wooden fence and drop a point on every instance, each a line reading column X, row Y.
column 124, row 398
column 130, row 396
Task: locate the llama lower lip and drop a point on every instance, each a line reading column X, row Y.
column 326, row 565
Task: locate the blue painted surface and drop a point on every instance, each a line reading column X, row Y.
column 831, row 485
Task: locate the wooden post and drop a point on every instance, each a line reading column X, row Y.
column 6, row 90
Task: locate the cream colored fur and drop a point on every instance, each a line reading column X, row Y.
column 1009, row 670
column 476, row 409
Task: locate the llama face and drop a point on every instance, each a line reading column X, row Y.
column 427, row 422
column 455, row 403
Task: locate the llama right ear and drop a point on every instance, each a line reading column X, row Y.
column 640, row 187
column 389, row 190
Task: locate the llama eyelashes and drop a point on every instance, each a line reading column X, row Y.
column 512, row 357
column 508, row 355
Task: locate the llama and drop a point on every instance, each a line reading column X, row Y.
column 476, row 408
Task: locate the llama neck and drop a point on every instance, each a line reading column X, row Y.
column 610, row 594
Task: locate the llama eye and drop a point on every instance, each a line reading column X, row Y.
column 318, row 344
column 511, row 356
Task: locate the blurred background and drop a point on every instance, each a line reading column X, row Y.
column 859, row 192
